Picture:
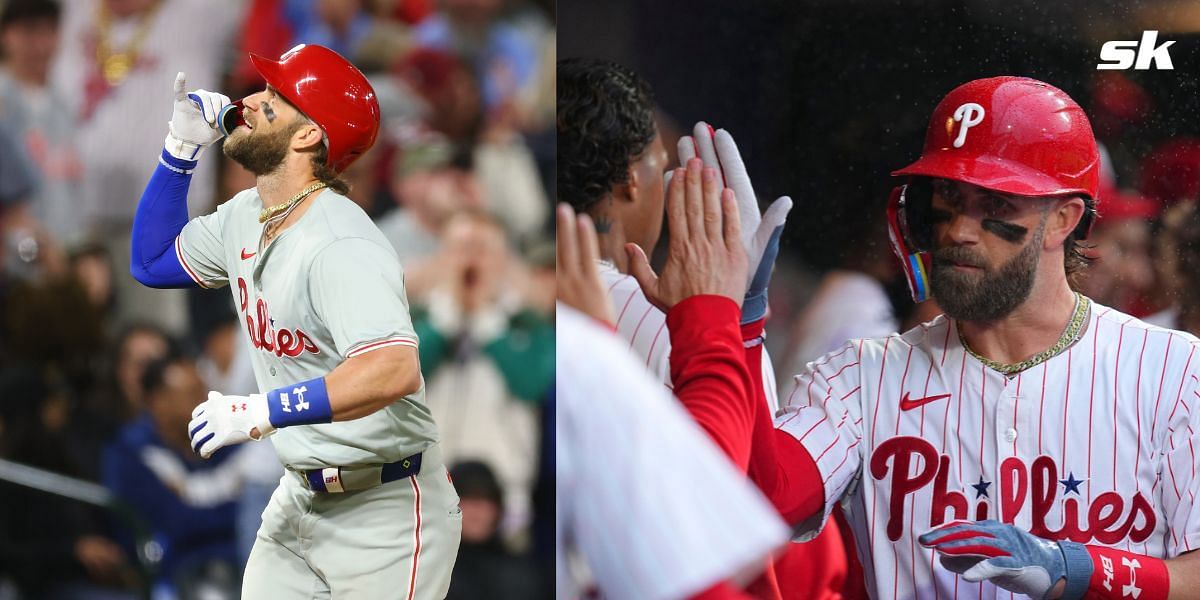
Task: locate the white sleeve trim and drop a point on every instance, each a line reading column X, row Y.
column 370, row 346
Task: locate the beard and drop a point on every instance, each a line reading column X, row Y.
column 987, row 296
column 261, row 154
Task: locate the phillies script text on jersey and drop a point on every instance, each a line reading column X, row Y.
column 1107, row 522
column 263, row 335
column 1094, row 445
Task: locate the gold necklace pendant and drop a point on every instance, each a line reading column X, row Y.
column 267, row 213
column 116, row 67
column 1069, row 336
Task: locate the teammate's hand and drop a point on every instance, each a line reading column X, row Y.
column 1011, row 558
column 577, row 252
column 193, row 124
column 705, row 255
column 760, row 232
column 227, row 420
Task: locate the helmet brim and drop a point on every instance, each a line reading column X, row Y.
column 989, row 172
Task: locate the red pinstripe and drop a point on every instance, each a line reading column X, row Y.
column 624, row 308
column 1042, row 406
column 412, row 580
column 839, row 465
column 1015, row 404
column 874, row 422
column 899, row 416
column 958, row 425
column 1066, row 401
column 654, row 342
column 839, row 373
column 618, row 282
column 1116, row 396
column 982, row 418
column 1092, row 404
column 633, row 336
column 1162, row 379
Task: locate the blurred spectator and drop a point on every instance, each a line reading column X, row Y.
column 503, row 164
column 38, row 116
column 353, row 28
column 485, row 568
column 1120, row 244
column 92, row 268
column 1121, row 273
column 116, row 397
column 50, row 547
column 431, row 185
column 350, row 29
column 487, row 361
column 188, row 503
column 118, row 59
column 1179, row 239
column 502, row 56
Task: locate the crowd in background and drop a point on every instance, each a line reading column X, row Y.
column 98, row 375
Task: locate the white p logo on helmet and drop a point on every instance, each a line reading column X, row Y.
column 970, row 115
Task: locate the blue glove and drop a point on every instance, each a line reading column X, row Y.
column 1011, row 558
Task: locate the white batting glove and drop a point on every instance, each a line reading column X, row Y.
column 760, row 230
column 718, row 150
column 193, row 125
column 227, row 420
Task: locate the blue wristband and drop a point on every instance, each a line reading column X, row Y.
column 305, row 403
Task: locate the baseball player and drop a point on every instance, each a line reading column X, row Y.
column 365, row 509
column 623, row 444
column 1029, row 441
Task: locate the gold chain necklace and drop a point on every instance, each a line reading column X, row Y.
column 267, row 213
column 1069, row 336
column 115, row 66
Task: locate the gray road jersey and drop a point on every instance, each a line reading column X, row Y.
column 328, row 288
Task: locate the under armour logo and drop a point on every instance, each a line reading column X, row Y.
column 284, row 402
column 235, row 408
column 970, row 115
column 1132, row 589
column 302, row 404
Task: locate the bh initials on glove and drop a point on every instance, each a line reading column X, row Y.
column 1011, row 558
column 227, row 420
column 193, row 125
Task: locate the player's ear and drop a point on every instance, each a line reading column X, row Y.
column 1063, row 217
column 307, row 137
column 628, row 191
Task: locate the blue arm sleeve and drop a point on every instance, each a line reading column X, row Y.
column 161, row 214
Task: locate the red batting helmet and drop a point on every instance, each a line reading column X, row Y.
column 1009, row 134
column 1013, row 135
column 331, row 92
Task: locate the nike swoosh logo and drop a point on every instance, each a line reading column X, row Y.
column 247, row 256
column 909, row 404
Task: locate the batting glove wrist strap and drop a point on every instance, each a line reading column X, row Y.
column 305, row 403
column 1079, row 569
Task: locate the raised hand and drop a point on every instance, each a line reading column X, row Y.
column 705, row 255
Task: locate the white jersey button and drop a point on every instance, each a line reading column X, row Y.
column 1010, row 434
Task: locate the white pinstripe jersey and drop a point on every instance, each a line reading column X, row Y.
column 1095, row 445
column 645, row 328
column 629, row 463
column 326, row 289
